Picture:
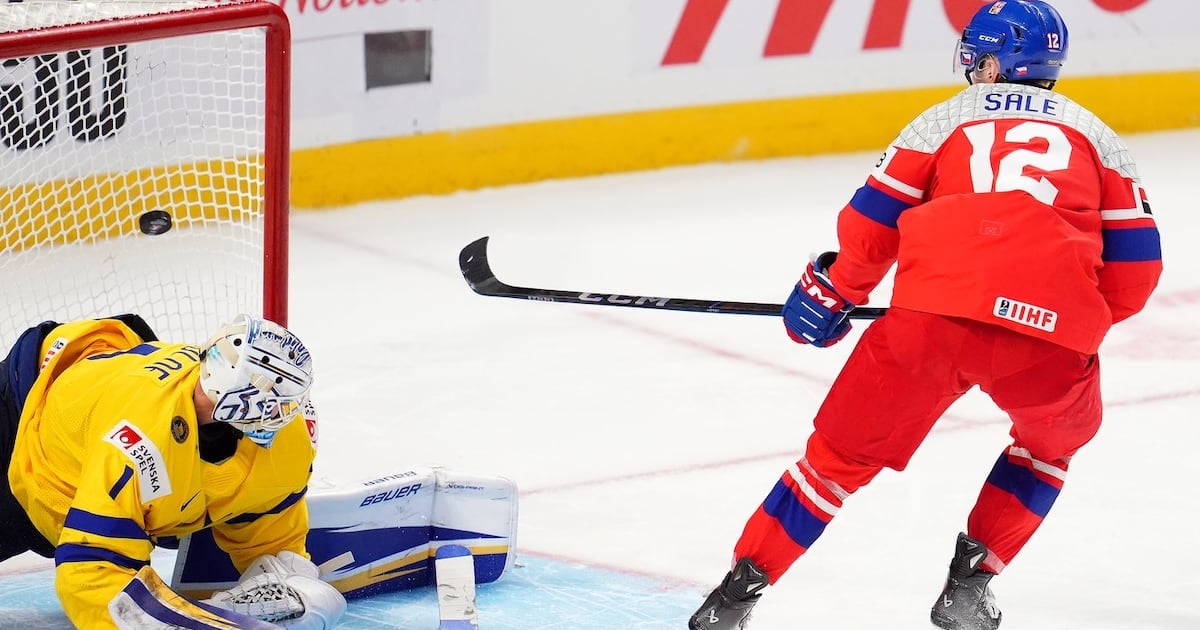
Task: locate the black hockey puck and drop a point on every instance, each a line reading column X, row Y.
column 154, row 222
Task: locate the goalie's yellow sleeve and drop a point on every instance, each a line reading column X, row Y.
column 146, row 602
column 107, row 462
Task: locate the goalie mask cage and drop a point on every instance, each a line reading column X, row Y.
column 112, row 109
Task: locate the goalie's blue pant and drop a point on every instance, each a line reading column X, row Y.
column 17, row 371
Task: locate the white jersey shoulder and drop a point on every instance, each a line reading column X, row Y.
column 999, row 101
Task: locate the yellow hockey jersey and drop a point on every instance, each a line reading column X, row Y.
column 106, row 463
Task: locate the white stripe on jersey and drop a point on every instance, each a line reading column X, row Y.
column 1122, row 215
column 881, row 175
column 810, row 492
column 900, row 186
column 1125, row 214
column 1038, row 465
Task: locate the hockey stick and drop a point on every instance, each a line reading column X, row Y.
column 454, row 575
column 473, row 262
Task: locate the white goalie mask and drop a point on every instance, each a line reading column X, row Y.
column 257, row 375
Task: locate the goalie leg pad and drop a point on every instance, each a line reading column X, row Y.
column 380, row 535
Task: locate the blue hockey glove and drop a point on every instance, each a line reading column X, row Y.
column 815, row 313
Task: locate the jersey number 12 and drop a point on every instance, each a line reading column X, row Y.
column 1009, row 172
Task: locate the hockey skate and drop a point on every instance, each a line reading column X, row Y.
column 966, row 602
column 728, row 606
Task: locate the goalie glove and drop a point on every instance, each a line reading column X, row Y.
column 286, row 590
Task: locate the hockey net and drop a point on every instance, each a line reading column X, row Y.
column 113, row 109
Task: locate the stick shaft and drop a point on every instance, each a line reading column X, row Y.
column 477, row 271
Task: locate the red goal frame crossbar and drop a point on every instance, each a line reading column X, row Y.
column 209, row 19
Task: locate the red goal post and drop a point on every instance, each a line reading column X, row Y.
column 113, row 112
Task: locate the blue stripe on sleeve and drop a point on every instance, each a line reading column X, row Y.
column 71, row 552
column 1036, row 495
column 878, row 206
column 107, row 526
column 1132, row 245
column 155, row 608
column 802, row 526
column 143, row 349
column 120, row 484
column 288, row 502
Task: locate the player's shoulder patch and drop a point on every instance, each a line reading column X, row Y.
column 145, row 456
column 179, row 429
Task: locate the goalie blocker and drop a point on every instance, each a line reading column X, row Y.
column 382, row 534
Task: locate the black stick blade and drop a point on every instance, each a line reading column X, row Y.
column 473, row 263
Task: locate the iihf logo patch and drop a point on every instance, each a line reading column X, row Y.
column 1025, row 314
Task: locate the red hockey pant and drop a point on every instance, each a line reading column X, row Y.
column 906, row 370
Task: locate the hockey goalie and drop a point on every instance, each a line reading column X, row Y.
column 115, row 442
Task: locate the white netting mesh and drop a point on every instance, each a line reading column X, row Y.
column 92, row 140
column 45, row 13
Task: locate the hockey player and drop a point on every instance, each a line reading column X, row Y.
column 1020, row 232
column 115, row 442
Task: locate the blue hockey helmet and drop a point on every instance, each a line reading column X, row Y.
column 1027, row 38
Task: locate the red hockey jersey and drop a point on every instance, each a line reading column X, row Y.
column 1007, row 204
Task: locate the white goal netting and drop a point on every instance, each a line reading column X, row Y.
column 169, row 108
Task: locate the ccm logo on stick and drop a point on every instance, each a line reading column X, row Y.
column 622, row 299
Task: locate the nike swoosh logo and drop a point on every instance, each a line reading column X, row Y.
column 188, row 502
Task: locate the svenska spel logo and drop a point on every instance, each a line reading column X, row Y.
column 125, row 436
